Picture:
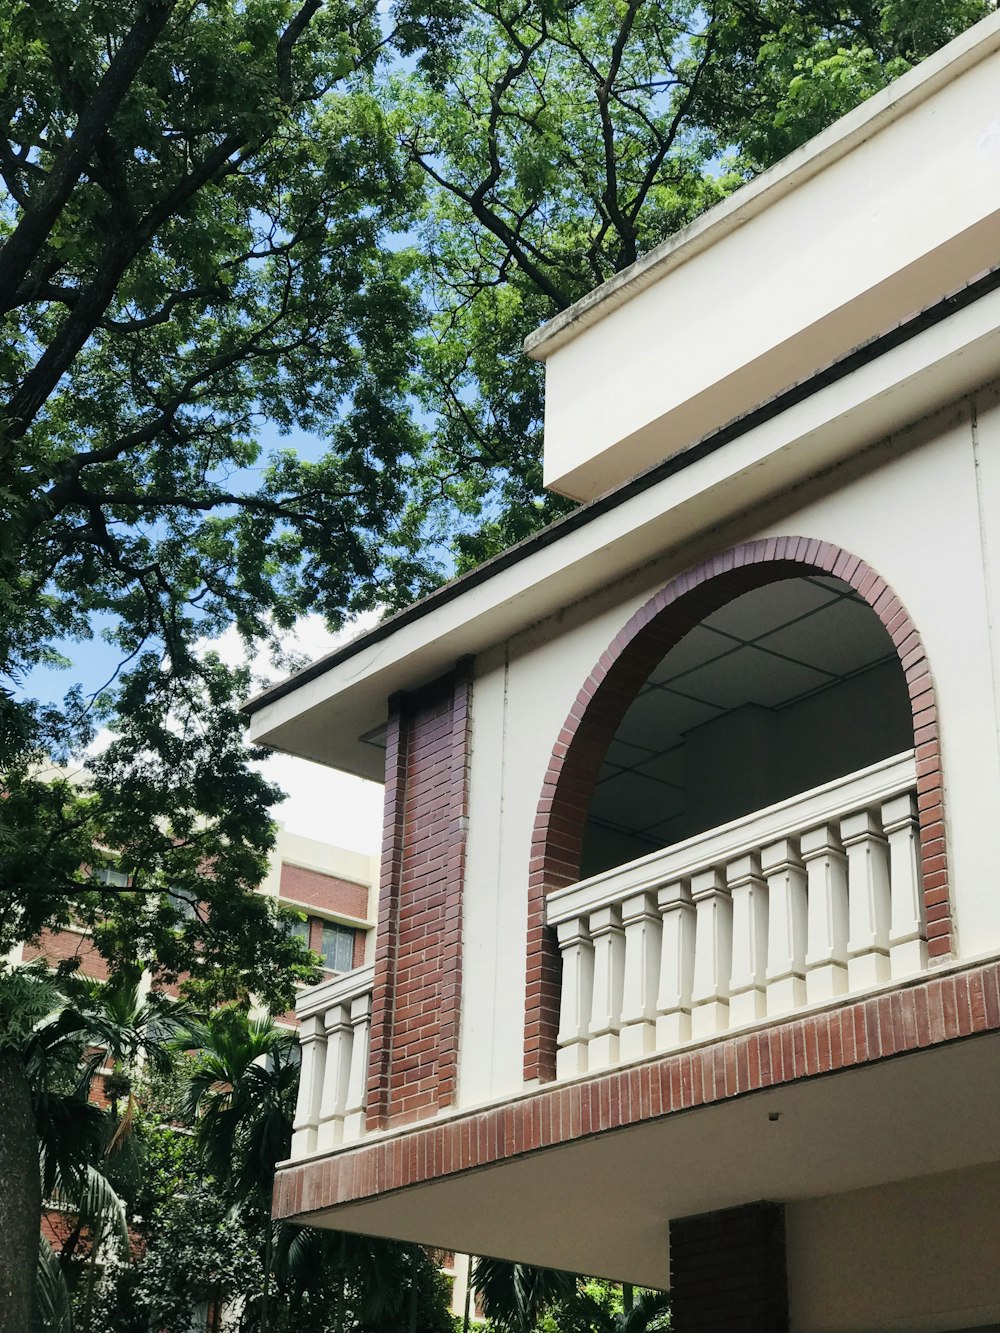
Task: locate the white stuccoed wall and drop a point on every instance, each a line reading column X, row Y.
column 895, row 205
column 923, row 510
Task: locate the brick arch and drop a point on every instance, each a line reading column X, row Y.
column 613, row 684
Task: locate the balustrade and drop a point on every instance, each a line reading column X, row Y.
column 796, row 904
column 335, row 1020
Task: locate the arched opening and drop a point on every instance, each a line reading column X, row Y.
column 780, row 690
column 887, row 699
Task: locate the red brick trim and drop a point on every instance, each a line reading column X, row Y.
column 416, row 1002
column 928, row 1012
column 610, row 688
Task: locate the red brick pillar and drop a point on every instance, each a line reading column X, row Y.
column 416, row 1003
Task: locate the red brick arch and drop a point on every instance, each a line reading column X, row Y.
column 613, row 684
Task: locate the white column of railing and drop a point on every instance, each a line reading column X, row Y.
column 713, row 952
column 786, row 937
column 806, row 900
column 339, row 1043
column 826, row 879
column 335, row 1018
column 868, row 899
column 312, row 1046
column 673, row 1001
column 609, row 979
column 641, row 922
column 357, row 1082
column 748, row 890
column 907, row 926
column 577, row 952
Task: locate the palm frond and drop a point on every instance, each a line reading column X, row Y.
column 53, row 1313
column 514, row 1295
column 96, row 1202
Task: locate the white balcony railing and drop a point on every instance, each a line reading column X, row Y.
column 815, row 897
column 335, row 1020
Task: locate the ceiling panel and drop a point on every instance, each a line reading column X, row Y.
column 643, row 800
column 657, row 719
column 752, row 676
column 698, row 646
column 765, row 609
column 843, row 637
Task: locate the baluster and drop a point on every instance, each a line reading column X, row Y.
column 786, row 946
column 357, row 1082
column 642, row 967
column 312, row 1044
column 577, row 994
column 609, row 976
column 748, row 891
column 673, row 1001
column 868, row 900
column 907, row 928
column 826, row 878
column 339, row 1040
column 713, row 950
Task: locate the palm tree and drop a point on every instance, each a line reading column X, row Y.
column 643, row 1312
column 56, row 1032
column 241, row 1092
column 513, row 1296
column 241, row 1098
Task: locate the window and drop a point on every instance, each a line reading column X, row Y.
column 186, row 905
column 298, row 930
column 107, row 874
column 337, row 948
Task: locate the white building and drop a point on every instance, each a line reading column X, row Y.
column 688, row 893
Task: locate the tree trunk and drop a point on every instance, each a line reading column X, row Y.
column 20, row 1198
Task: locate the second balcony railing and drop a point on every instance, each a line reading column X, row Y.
column 812, row 898
column 335, row 1025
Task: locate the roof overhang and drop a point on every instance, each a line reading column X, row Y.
column 324, row 712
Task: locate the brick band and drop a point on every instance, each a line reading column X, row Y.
column 602, row 702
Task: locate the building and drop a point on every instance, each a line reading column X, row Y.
column 336, row 891
column 687, row 968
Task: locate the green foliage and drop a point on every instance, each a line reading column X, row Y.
column 607, row 1307
column 196, row 210
column 559, row 142
column 54, row 1313
column 240, row 1098
column 202, row 1208
column 515, row 1296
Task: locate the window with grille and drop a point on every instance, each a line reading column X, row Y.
column 337, row 947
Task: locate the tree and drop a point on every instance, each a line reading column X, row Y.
column 191, row 199
column 514, row 1296
column 607, row 1307
column 561, row 141
column 57, row 1033
column 241, row 1091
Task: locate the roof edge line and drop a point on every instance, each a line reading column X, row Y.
column 859, row 356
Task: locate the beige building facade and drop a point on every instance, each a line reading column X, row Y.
column 687, row 969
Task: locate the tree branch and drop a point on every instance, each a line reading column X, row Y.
column 38, row 218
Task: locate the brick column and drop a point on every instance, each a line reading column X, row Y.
column 418, row 957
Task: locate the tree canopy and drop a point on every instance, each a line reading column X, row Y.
column 560, row 141
column 224, row 218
